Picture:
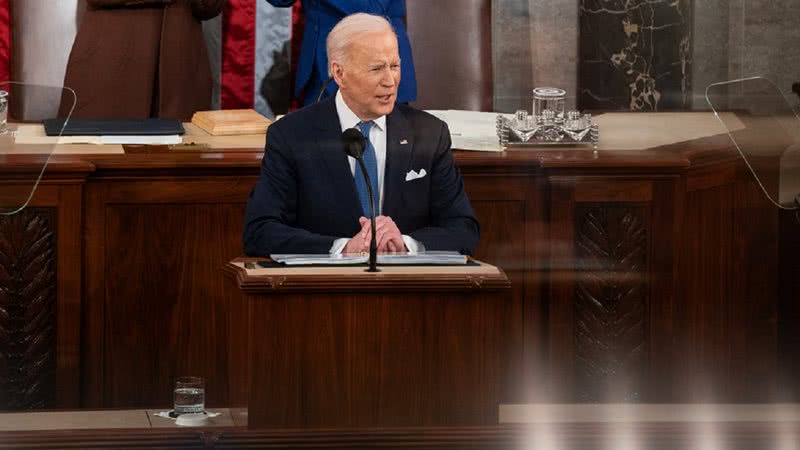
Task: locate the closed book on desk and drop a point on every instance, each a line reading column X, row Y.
column 125, row 127
column 231, row 122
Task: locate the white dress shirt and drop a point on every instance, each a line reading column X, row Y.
column 377, row 137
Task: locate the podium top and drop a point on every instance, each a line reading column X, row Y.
column 255, row 279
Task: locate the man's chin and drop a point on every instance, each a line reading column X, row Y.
column 384, row 108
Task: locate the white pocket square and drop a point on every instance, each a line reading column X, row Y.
column 413, row 175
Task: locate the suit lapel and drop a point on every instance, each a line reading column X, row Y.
column 399, row 149
column 334, row 160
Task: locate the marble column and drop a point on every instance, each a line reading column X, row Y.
column 635, row 54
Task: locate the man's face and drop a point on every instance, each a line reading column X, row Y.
column 369, row 77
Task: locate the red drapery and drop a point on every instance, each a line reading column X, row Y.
column 238, row 49
column 298, row 24
column 5, row 41
column 238, row 54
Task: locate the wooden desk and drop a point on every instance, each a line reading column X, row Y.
column 338, row 347
column 763, row 427
column 125, row 419
column 663, row 264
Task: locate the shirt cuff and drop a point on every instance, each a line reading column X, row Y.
column 414, row 246
column 339, row 245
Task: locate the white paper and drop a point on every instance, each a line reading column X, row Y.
column 471, row 130
column 170, row 139
column 34, row 134
column 476, row 143
column 438, row 258
column 468, row 123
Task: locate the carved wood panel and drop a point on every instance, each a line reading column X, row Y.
column 611, row 302
column 27, row 309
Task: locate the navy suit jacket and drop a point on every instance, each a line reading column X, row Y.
column 321, row 16
column 306, row 196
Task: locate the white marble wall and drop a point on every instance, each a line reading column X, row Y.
column 711, row 33
column 42, row 39
column 744, row 38
column 535, row 44
column 768, row 40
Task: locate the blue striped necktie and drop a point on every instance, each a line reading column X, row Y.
column 371, row 163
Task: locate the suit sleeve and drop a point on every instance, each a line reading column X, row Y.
column 453, row 225
column 271, row 208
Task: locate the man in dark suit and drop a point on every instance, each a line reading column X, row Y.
column 311, row 199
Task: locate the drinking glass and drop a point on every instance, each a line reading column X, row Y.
column 549, row 101
column 189, row 395
column 3, row 112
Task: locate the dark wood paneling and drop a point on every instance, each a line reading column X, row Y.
column 154, row 287
column 475, row 438
column 93, row 312
column 789, row 307
column 753, row 309
column 701, row 310
column 513, row 237
column 238, row 348
column 727, row 315
column 501, row 241
column 382, row 359
column 163, row 284
column 666, row 235
column 66, row 197
column 581, row 435
column 561, row 350
column 710, row 276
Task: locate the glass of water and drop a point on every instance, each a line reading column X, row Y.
column 189, row 395
column 3, row 112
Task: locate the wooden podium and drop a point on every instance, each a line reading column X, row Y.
column 340, row 347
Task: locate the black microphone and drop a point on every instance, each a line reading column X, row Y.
column 354, row 145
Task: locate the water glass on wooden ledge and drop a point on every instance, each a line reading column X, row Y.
column 189, row 395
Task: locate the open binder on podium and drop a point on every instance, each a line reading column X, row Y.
column 421, row 258
column 769, row 142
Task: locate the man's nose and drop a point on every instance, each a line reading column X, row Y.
column 388, row 79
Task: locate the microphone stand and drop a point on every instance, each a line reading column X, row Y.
column 373, row 243
column 354, row 143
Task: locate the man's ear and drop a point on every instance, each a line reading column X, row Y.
column 337, row 72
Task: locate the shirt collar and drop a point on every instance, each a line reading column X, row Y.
column 348, row 119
